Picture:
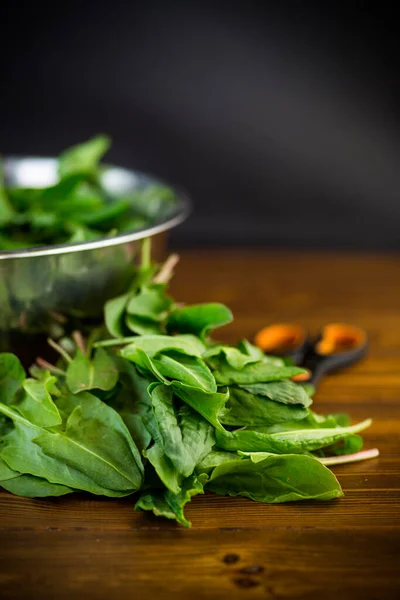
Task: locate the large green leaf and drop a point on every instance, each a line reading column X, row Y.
column 133, row 403
column 94, row 452
column 303, row 440
column 311, row 421
column 199, row 319
column 181, row 439
column 208, row 404
column 30, row 486
column 190, row 370
column 244, row 408
column 275, row 478
column 259, row 372
column 284, row 391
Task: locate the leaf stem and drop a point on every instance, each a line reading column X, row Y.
column 166, row 271
column 58, row 317
column 59, row 349
column 349, row 458
column 44, row 364
column 146, row 254
column 79, row 341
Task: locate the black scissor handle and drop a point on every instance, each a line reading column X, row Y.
column 339, row 346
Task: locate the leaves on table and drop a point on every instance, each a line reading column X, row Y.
column 145, row 410
column 92, row 451
column 300, row 441
column 275, row 478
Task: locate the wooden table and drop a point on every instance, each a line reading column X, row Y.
column 84, row 547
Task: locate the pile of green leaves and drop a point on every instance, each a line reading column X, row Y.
column 78, row 208
column 152, row 405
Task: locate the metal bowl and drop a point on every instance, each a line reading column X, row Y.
column 72, row 279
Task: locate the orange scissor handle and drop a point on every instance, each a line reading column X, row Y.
column 281, row 338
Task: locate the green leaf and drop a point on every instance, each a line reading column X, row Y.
column 190, row 370
column 94, row 452
column 199, row 319
column 12, row 375
column 30, row 486
column 260, row 372
column 36, row 404
column 154, row 344
column 174, row 366
column 181, row 438
column 214, row 458
column 207, row 404
column 350, row 445
column 164, row 468
column 275, row 478
column 142, row 325
column 153, row 201
column 6, row 472
column 251, row 350
column 59, row 193
column 151, row 302
column 107, row 216
column 114, row 315
column 6, row 210
column 234, row 357
column 163, row 503
column 284, row 442
column 285, row 391
column 85, row 374
column 311, row 421
column 83, row 158
column 133, row 403
column 244, row 408
column 145, row 364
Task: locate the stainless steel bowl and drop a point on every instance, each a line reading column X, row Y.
column 72, row 279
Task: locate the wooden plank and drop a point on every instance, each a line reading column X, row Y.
column 90, row 547
column 271, row 564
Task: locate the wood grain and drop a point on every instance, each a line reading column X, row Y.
column 86, row 547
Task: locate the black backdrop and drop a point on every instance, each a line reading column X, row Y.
column 280, row 118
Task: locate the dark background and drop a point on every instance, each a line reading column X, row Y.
column 281, row 119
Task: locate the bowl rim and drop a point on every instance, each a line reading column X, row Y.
column 179, row 214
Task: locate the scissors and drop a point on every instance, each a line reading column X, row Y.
column 339, row 345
